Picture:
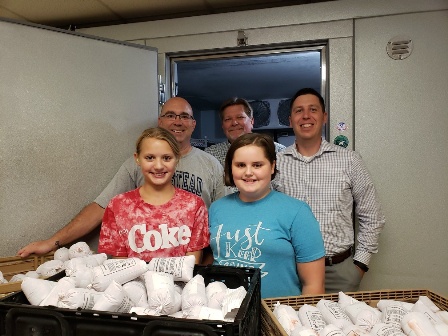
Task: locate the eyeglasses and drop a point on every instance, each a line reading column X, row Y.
column 173, row 116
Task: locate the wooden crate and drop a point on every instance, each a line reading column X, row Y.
column 271, row 327
column 11, row 266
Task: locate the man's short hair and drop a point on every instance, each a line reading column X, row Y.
column 236, row 101
column 306, row 91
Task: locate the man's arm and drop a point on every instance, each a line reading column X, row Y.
column 83, row 223
column 220, row 188
column 127, row 178
column 368, row 211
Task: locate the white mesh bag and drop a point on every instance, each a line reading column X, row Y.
column 36, row 290
column 180, row 267
column 114, row 299
column 119, row 270
column 161, row 293
column 333, row 313
column 194, row 293
column 50, row 267
column 83, row 298
column 311, row 317
column 62, row 286
column 79, row 249
column 136, row 290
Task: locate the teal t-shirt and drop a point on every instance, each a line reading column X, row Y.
column 272, row 234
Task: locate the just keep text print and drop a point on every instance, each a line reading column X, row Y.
column 240, row 248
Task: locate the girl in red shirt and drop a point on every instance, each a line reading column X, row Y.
column 157, row 219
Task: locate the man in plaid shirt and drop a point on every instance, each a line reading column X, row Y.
column 333, row 181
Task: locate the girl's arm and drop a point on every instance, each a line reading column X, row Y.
column 312, row 276
column 207, row 256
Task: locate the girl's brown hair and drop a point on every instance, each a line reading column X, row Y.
column 159, row 134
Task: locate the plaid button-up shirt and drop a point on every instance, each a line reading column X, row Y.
column 333, row 181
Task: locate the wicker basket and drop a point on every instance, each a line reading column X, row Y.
column 11, row 266
column 271, row 327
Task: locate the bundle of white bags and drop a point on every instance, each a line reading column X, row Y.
column 350, row 317
column 52, row 267
column 164, row 286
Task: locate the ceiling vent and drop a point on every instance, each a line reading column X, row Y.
column 399, row 47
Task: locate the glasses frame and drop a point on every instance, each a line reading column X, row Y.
column 173, row 116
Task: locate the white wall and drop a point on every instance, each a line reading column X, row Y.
column 71, row 109
column 349, row 39
column 401, row 131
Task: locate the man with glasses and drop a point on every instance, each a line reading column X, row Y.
column 196, row 172
column 237, row 119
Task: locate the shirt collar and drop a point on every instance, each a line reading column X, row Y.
column 325, row 146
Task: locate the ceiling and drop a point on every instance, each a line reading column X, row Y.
column 73, row 14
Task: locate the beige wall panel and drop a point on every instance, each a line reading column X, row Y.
column 402, row 131
column 340, row 88
column 255, row 37
column 71, row 109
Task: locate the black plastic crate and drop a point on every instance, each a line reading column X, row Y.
column 19, row 318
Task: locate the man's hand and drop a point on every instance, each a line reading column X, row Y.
column 88, row 219
column 38, row 247
column 361, row 272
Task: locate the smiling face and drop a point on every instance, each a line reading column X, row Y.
column 181, row 128
column 236, row 122
column 157, row 162
column 307, row 118
column 251, row 172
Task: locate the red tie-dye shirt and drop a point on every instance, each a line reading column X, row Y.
column 133, row 228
